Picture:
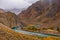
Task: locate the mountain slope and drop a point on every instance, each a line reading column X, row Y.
column 2, row 11
column 8, row 34
column 44, row 12
column 9, row 19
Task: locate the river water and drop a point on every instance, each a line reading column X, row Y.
column 34, row 33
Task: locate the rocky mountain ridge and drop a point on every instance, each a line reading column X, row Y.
column 9, row 19
column 44, row 12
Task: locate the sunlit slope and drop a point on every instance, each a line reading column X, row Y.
column 45, row 13
column 8, row 18
column 8, row 34
column 42, row 16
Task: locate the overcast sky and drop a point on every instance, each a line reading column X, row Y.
column 9, row 4
column 16, row 4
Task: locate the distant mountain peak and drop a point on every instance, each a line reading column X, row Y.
column 2, row 10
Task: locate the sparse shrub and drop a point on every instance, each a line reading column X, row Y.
column 58, row 29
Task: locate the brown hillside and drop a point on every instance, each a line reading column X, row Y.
column 46, row 13
column 8, row 34
column 9, row 19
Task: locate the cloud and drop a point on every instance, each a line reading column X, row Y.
column 9, row 4
column 16, row 6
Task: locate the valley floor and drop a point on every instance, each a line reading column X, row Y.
column 9, row 34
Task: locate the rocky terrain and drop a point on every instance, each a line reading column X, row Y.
column 45, row 13
column 8, row 34
column 9, row 19
column 42, row 16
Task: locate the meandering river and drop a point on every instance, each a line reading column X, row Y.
column 34, row 33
